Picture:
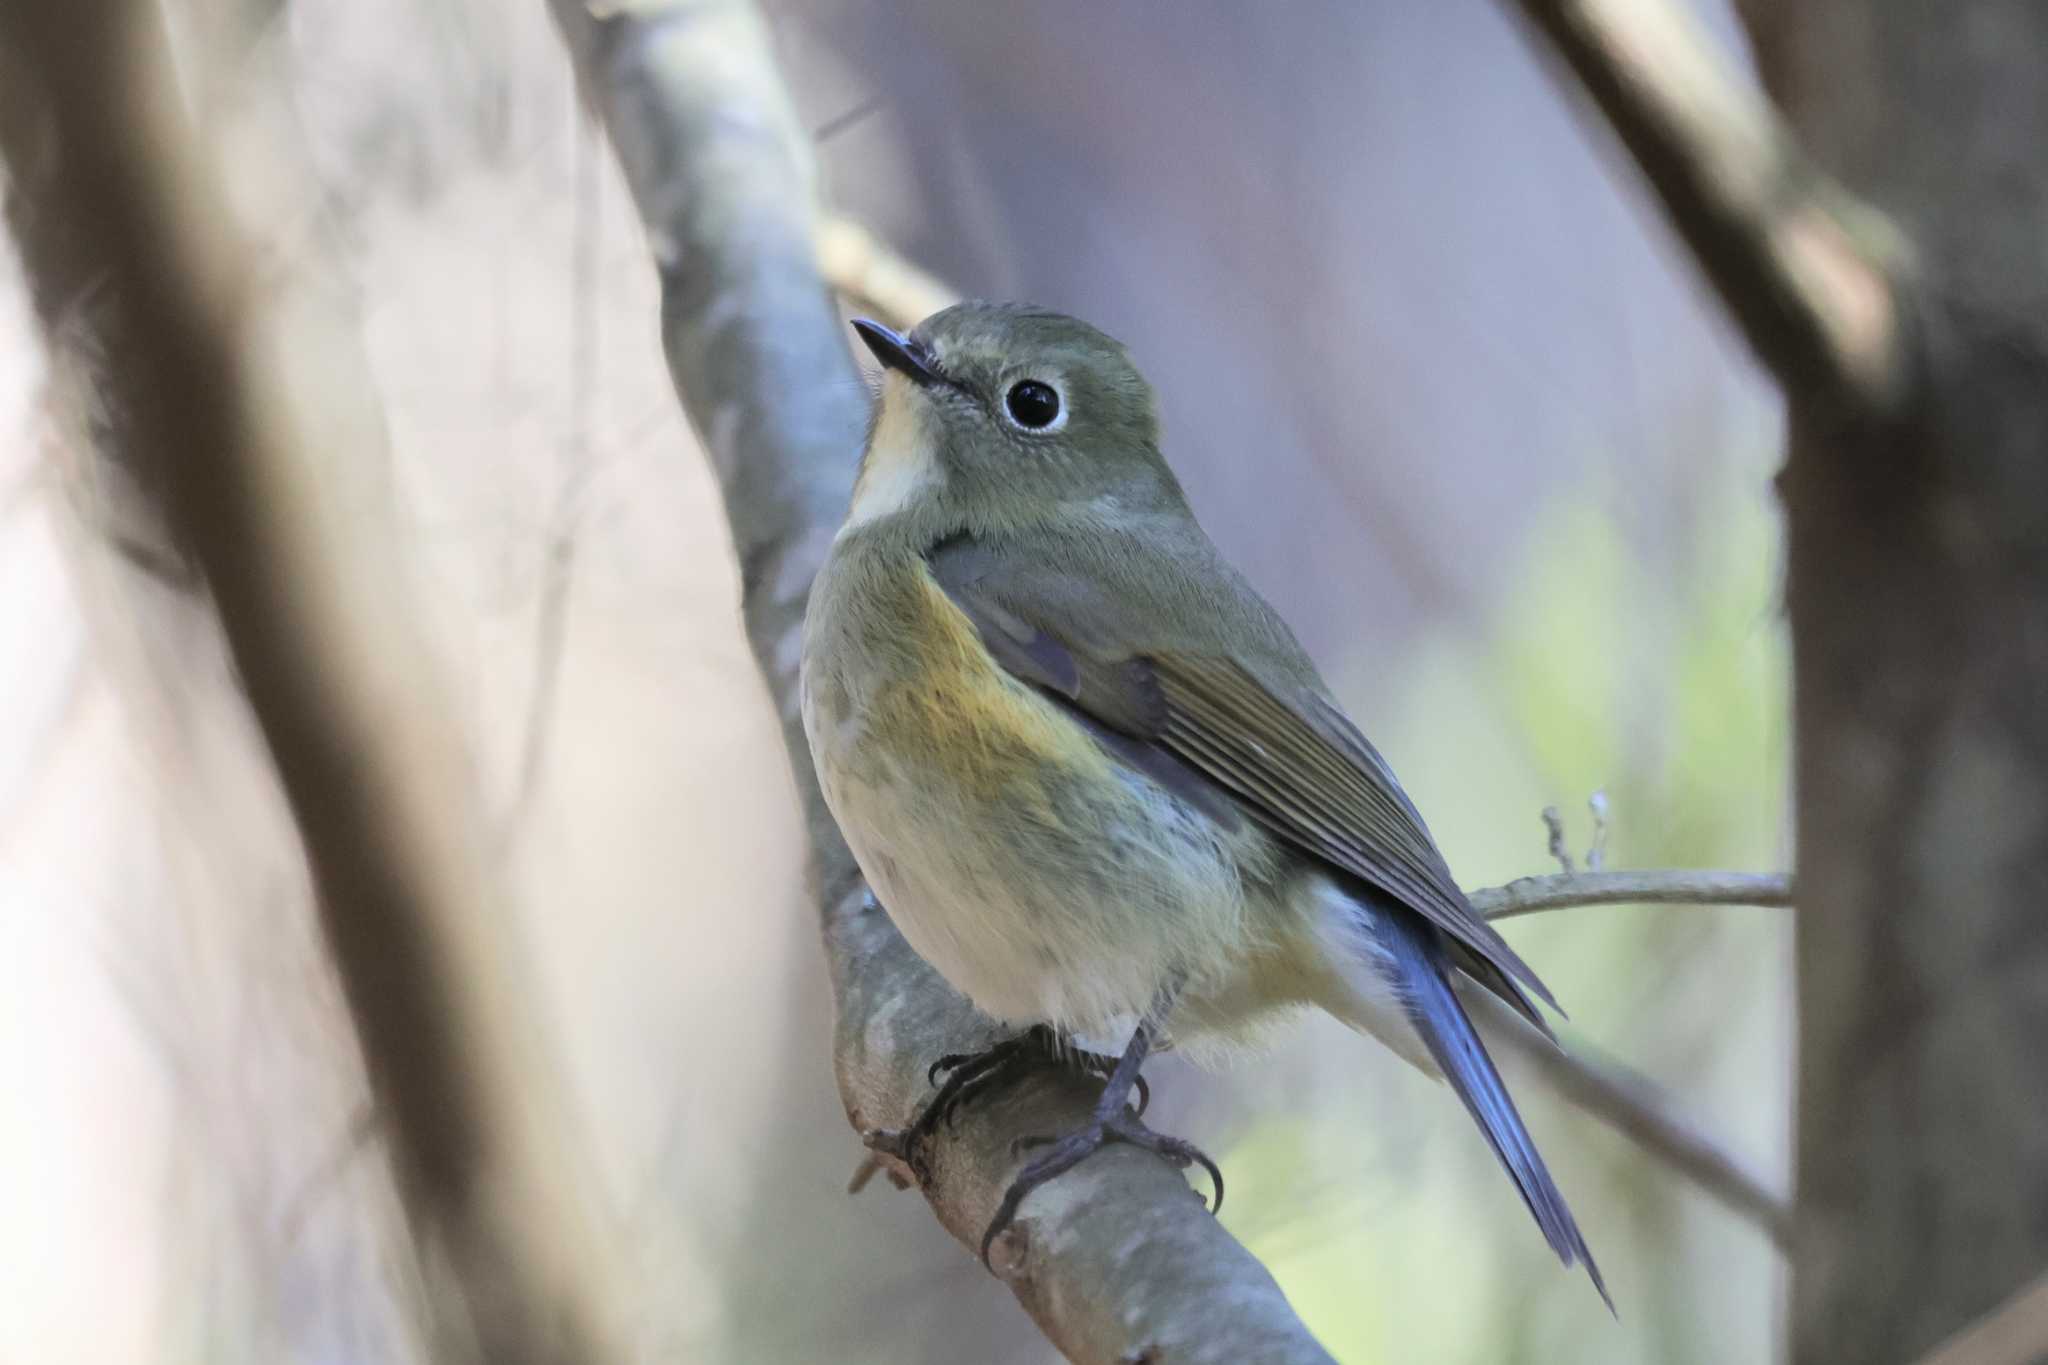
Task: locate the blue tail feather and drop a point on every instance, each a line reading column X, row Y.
column 1420, row 975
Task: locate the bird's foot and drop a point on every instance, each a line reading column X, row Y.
column 970, row 1075
column 1064, row 1153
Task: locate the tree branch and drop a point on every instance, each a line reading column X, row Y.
column 378, row 786
column 2013, row 1333
column 1118, row 1261
column 1807, row 270
column 1643, row 1112
column 1627, row 1101
column 1528, row 895
column 865, row 269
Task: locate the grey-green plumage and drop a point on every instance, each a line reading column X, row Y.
column 1148, row 630
column 1091, row 771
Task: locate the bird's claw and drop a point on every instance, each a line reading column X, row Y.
column 966, row 1075
column 1042, row 1039
column 1071, row 1150
column 962, row 1077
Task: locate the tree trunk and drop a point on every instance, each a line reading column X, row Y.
column 1919, row 604
column 1910, row 334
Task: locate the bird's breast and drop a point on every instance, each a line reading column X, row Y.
column 1044, row 879
column 902, row 683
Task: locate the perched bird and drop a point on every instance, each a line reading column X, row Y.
column 1090, row 773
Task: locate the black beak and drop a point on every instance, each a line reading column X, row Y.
column 897, row 352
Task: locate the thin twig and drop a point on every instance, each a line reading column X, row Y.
column 870, row 1165
column 849, row 118
column 558, row 562
column 1806, row 269
column 1562, row 890
column 1553, row 823
column 859, row 265
column 327, row 1172
column 1632, row 1104
column 1644, row 1113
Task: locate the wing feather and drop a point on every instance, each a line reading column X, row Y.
column 1306, row 788
column 1282, row 751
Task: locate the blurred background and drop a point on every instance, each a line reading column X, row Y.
column 1434, row 376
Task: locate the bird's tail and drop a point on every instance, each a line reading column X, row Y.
column 1418, row 967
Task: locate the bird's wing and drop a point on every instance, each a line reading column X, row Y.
column 1075, row 625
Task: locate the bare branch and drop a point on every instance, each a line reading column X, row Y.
column 1119, row 1260
column 1643, row 1112
column 2013, row 1333
column 1808, row 271
column 558, row 562
column 859, row 265
column 1553, row 822
column 1630, row 1103
column 1528, row 895
column 368, row 758
column 1596, row 848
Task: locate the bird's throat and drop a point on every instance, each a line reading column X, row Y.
column 901, row 464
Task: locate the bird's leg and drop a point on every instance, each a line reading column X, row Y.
column 969, row 1075
column 1103, row 1068
column 975, row 1072
column 1112, row 1122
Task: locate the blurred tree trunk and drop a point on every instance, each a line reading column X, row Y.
column 129, row 210
column 87, row 333
column 1919, row 602
column 1910, row 335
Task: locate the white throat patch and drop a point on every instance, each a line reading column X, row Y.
column 901, row 463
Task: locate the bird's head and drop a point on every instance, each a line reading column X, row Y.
column 1002, row 415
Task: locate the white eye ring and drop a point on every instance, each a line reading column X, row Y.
column 1035, row 406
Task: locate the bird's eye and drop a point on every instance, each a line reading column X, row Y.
column 1033, row 404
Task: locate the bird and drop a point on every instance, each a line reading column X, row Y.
column 1089, row 771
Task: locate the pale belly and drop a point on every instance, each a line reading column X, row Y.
column 1044, row 878
column 1074, row 896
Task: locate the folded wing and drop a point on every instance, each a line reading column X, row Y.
column 1281, row 749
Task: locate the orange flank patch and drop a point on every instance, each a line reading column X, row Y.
column 997, row 736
